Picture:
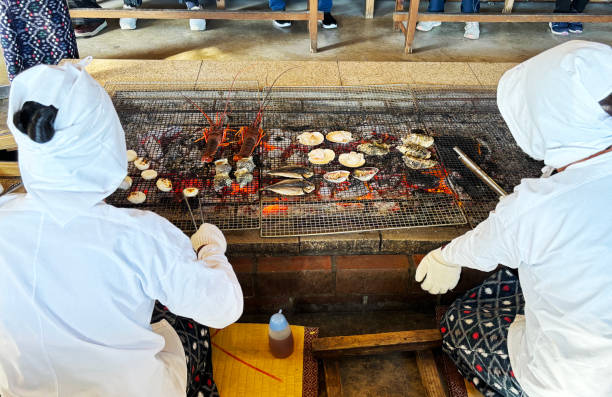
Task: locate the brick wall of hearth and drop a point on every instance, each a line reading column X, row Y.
column 338, row 283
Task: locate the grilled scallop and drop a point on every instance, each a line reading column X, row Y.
column 321, row 156
column 148, row 174
column 336, row 176
column 142, row 163
column 137, row 197
column 339, row 137
column 126, row 183
column 131, row 155
column 352, row 159
column 365, row 174
column 190, row 191
column 164, row 184
column 311, row 138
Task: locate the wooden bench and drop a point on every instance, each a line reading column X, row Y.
column 309, row 15
column 413, row 16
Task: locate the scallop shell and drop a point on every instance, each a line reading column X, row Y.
column 164, row 184
column 148, row 174
column 311, row 138
column 190, row 191
column 365, row 174
column 137, row 197
column 352, row 159
column 142, row 163
column 339, row 136
column 126, row 183
column 336, row 176
column 321, row 156
column 131, row 155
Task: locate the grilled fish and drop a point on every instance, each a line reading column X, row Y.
column 417, row 163
column 414, row 150
column 291, row 187
column 374, row 148
column 418, row 139
column 293, row 172
column 243, row 177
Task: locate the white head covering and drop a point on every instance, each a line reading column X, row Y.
column 551, row 102
column 86, row 159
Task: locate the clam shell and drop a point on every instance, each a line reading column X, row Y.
column 311, row 138
column 190, row 191
column 142, row 163
column 336, row 176
column 137, row 197
column 148, row 174
column 339, row 136
column 321, row 156
column 131, row 155
column 352, row 159
column 164, row 184
column 365, row 174
column 126, row 183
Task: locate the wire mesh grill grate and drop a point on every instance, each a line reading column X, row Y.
column 162, row 125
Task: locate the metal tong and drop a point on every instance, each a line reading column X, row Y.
column 186, row 199
column 480, row 173
column 12, row 188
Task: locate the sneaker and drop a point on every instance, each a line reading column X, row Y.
column 575, row 27
column 559, row 28
column 127, row 23
column 472, row 30
column 281, row 24
column 197, row 24
column 329, row 22
column 426, row 26
column 89, row 29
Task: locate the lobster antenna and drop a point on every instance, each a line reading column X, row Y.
column 274, row 82
column 233, row 82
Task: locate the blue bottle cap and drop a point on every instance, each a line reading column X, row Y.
column 278, row 322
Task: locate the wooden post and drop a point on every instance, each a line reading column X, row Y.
column 333, row 383
column 429, row 374
column 413, row 14
column 399, row 6
column 313, row 14
column 220, row 4
column 369, row 9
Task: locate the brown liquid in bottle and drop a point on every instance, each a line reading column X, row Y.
column 283, row 347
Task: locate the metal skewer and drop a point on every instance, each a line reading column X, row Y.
column 195, row 226
column 11, row 188
column 480, row 173
column 201, row 213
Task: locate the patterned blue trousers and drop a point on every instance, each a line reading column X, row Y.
column 195, row 339
column 475, row 334
column 34, row 32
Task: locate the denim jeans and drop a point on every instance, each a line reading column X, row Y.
column 568, row 6
column 467, row 6
column 279, row 5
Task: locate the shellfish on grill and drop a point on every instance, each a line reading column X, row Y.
column 339, row 136
column 148, row 174
column 352, row 159
column 164, row 184
column 374, row 148
column 221, row 180
column 365, row 174
column 292, row 171
column 414, row 150
column 190, row 191
column 418, row 164
column 126, row 183
column 245, row 163
column 336, row 176
column 418, row 139
column 321, row 156
column 131, row 155
column 142, row 163
column 137, row 197
column 291, row 187
column 243, row 177
column 222, row 166
column 311, row 138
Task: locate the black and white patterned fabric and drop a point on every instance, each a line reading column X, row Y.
column 475, row 331
column 34, row 32
column 195, row 338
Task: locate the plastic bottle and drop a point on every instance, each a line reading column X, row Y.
column 280, row 336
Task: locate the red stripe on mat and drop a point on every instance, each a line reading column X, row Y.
column 245, row 363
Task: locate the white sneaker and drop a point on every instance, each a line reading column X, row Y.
column 472, row 30
column 197, row 24
column 127, row 23
column 426, row 26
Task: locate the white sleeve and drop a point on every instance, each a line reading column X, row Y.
column 492, row 242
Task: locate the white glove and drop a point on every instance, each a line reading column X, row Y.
column 211, row 237
column 439, row 275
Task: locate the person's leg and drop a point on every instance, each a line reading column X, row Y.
column 129, row 23
column 434, row 6
column 279, row 5
column 577, row 6
column 472, row 29
column 329, row 22
column 196, row 342
column 84, row 4
column 475, row 330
